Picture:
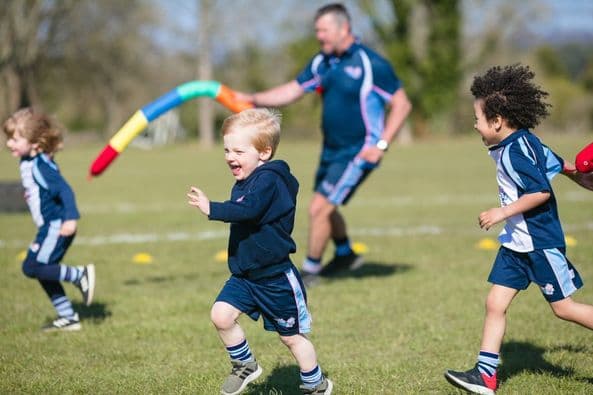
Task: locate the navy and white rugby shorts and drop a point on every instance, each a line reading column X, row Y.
column 281, row 300
column 549, row 269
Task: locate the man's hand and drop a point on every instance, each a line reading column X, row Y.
column 371, row 154
column 246, row 97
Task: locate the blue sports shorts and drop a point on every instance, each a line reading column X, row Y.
column 281, row 300
column 549, row 269
column 338, row 180
column 49, row 246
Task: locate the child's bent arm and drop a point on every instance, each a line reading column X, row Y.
column 491, row 217
column 250, row 207
column 526, row 203
column 198, row 199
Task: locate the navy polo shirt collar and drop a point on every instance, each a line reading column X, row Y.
column 348, row 53
column 509, row 139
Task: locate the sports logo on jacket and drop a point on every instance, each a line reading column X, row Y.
column 353, row 71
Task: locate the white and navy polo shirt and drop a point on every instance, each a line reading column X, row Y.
column 47, row 193
column 524, row 165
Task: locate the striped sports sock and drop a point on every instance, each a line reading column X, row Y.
column 312, row 265
column 62, row 306
column 312, row 378
column 488, row 362
column 241, row 352
column 343, row 246
column 70, row 274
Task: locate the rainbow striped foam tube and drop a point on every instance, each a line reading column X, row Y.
column 140, row 120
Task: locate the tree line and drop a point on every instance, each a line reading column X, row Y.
column 93, row 63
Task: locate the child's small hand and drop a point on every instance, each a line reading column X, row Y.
column 489, row 218
column 68, row 228
column 198, row 199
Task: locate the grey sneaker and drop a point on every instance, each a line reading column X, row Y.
column 324, row 388
column 242, row 374
column 63, row 324
column 86, row 284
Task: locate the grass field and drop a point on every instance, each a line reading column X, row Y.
column 392, row 327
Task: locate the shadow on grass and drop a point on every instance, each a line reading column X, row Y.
column 160, row 279
column 373, row 269
column 522, row 357
column 97, row 312
column 283, row 380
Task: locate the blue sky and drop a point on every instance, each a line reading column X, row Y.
column 272, row 22
column 571, row 14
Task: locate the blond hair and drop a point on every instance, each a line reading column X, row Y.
column 263, row 124
column 37, row 127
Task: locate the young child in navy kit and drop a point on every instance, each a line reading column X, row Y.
column 507, row 104
column 263, row 279
column 35, row 138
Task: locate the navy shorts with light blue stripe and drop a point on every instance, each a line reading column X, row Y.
column 548, row 268
column 49, row 247
column 338, row 180
column 280, row 300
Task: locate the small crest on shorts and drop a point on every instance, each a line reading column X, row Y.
column 34, row 247
column 289, row 323
column 548, row 289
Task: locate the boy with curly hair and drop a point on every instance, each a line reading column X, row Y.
column 507, row 105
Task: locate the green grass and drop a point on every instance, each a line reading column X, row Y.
column 393, row 327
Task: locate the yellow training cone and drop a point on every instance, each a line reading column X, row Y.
column 21, row 255
column 487, row 244
column 360, row 248
column 221, row 256
column 142, row 258
column 570, row 241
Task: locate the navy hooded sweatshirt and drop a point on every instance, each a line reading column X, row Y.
column 261, row 213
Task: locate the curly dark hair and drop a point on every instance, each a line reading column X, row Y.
column 510, row 92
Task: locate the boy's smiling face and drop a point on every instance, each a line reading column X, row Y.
column 241, row 155
column 489, row 130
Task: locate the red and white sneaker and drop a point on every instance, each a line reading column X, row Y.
column 473, row 381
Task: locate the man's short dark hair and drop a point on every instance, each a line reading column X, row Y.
column 337, row 9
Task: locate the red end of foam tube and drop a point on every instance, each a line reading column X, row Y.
column 584, row 159
column 103, row 160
